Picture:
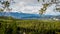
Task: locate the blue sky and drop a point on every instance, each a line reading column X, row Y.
column 32, row 7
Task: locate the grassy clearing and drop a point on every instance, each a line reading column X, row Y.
column 29, row 26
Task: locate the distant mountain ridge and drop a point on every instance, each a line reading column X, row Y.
column 27, row 16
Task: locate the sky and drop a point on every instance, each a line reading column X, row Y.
column 31, row 7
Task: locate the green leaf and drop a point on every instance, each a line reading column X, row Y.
column 38, row 0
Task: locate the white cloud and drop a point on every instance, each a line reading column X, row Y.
column 31, row 6
column 24, row 7
column 50, row 10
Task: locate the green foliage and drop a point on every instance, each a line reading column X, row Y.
column 45, row 5
column 1, row 10
column 58, row 9
column 6, row 5
column 39, row 0
column 43, row 9
column 29, row 26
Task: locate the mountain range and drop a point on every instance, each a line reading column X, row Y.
column 28, row 16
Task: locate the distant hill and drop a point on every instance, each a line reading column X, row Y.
column 27, row 16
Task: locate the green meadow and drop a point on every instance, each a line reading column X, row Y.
column 9, row 25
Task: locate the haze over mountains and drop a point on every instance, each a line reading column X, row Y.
column 28, row 16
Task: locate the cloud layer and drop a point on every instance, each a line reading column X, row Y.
column 26, row 6
column 31, row 6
